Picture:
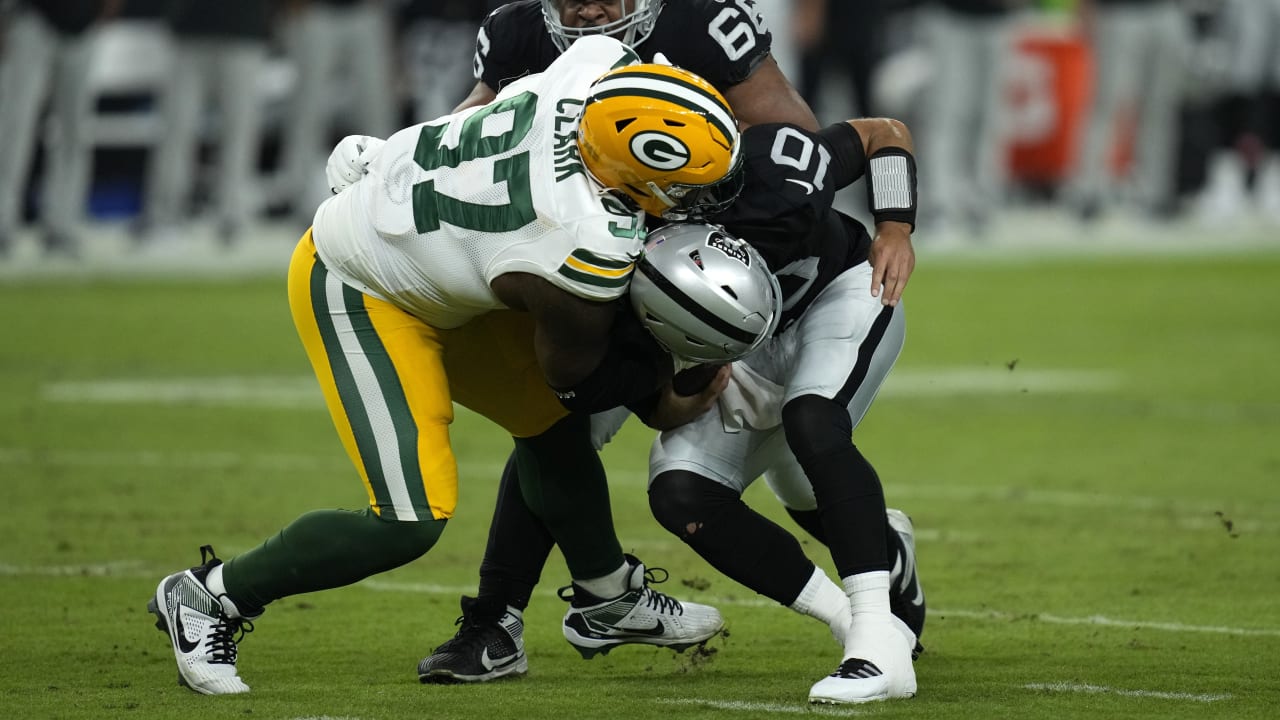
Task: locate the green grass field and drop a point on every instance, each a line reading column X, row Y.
column 1090, row 450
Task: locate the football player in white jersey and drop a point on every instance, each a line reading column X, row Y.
column 728, row 43
column 478, row 261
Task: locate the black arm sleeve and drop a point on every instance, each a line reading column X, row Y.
column 848, row 159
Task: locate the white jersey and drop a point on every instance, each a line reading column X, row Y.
column 451, row 204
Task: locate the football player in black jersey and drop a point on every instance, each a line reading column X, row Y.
column 726, row 42
column 794, row 404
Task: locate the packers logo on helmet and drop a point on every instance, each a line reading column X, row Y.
column 660, row 151
column 662, row 136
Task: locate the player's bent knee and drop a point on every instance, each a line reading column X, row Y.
column 816, row 426
column 405, row 540
column 681, row 501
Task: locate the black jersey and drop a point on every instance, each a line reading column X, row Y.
column 721, row 40
column 785, row 212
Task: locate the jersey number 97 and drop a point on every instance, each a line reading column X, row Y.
column 431, row 207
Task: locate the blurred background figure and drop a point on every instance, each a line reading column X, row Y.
column 45, row 52
column 341, row 52
column 219, row 47
column 779, row 16
column 1029, row 114
column 844, row 38
column 1139, row 60
column 439, row 47
column 962, row 143
column 1243, row 174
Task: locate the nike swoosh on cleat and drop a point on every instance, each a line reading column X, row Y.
column 490, row 665
column 185, row 645
column 658, row 630
column 907, row 578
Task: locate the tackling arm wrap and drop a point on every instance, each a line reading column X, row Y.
column 621, row 378
column 633, row 368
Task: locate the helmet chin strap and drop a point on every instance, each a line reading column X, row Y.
column 657, row 192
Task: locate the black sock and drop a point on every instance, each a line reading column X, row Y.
column 518, row 548
column 563, row 484
column 850, row 499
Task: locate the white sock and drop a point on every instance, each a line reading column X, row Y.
column 213, row 581
column 868, row 595
column 823, row 599
column 868, row 592
column 608, row 586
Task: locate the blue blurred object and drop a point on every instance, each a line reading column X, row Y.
column 115, row 198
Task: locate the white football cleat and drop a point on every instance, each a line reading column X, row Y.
column 877, row 665
column 641, row 615
column 202, row 634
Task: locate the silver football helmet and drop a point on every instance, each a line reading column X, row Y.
column 632, row 28
column 705, row 295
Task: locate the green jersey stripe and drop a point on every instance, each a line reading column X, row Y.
column 596, row 280
column 348, row 392
column 591, row 258
column 388, row 381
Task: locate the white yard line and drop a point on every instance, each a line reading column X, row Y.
column 136, row 568
column 1103, row 690
column 995, row 615
column 119, row 568
column 1103, row 621
column 290, row 392
column 758, row 707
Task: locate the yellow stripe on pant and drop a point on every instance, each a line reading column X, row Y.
column 390, row 379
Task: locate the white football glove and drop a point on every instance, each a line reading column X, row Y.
column 660, row 59
column 350, row 160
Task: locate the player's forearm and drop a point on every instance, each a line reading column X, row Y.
column 481, row 94
column 882, row 149
column 880, row 133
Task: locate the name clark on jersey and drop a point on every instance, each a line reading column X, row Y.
column 567, row 160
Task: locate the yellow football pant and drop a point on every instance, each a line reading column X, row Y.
column 390, row 381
